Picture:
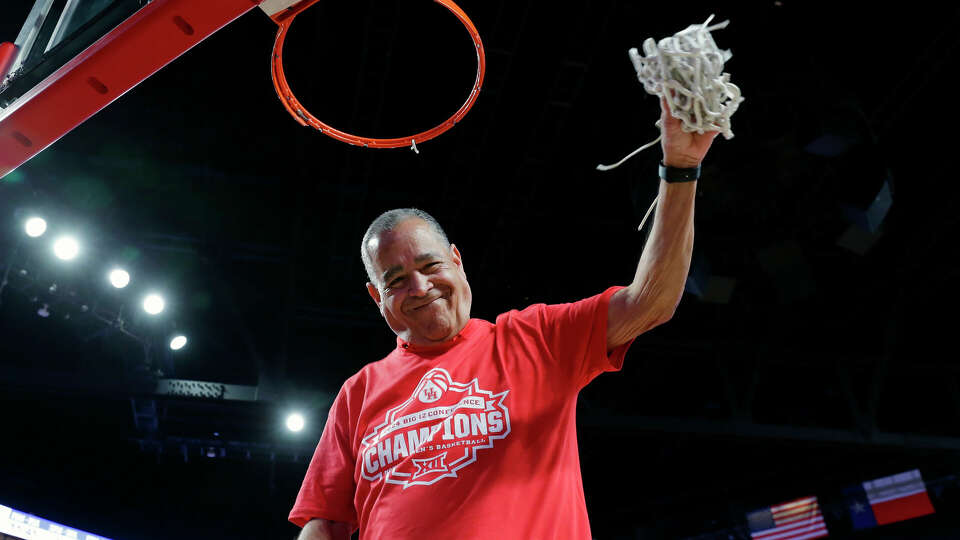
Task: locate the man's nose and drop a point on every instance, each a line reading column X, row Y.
column 419, row 284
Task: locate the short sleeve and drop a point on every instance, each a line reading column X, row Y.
column 576, row 335
column 328, row 488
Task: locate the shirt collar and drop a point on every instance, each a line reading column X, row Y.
column 437, row 348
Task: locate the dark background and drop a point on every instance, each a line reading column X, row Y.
column 808, row 354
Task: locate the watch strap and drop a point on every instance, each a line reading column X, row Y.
column 676, row 174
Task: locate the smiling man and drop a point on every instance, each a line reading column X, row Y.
column 467, row 429
column 421, row 290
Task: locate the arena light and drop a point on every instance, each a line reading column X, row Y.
column 35, row 227
column 295, row 422
column 178, row 342
column 153, row 304
column 66, row 248
column 119, row 278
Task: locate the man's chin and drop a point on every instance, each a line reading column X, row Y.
column 438, row 332
column 439, row 337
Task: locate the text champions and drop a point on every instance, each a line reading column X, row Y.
column 389, row 450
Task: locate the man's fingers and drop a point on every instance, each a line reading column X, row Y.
column 664, row 107
column 667, row 118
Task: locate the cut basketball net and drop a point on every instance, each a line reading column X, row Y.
column 686, row 70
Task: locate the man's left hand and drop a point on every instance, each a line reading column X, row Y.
column 681, row 149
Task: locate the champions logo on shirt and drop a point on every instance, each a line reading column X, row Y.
column 435, row 433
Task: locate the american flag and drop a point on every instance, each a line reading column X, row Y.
column 794, row 520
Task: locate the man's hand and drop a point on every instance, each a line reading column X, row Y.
column 682, row 149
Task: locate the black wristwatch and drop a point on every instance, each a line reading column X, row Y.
column 673, row 175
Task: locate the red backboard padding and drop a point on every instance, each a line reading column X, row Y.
column 141, row 45
column 7, row 52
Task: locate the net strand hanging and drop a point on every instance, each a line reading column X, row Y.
column 686, row 70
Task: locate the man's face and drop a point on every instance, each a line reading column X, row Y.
column 421, row 288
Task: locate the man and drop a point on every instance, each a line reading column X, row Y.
column 467, row 429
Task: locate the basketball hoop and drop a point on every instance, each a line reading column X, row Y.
column 285, row 14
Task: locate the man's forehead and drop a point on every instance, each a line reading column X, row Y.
column 411, row 237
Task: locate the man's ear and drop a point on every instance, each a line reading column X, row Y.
column 374, row 293
column 457, row 259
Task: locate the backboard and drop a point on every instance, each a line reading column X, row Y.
column 71, row 58
column 42, row 46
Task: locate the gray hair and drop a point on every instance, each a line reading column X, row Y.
column 387, row 222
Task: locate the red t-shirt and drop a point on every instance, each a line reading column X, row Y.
column 472, row 438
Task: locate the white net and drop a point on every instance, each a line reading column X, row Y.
column 686, row 70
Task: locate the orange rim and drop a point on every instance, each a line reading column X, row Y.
column 300, row 113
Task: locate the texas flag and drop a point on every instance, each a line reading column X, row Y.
column 888, row 500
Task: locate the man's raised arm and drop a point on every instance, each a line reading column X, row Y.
column 321, row 529
column 653, row 296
